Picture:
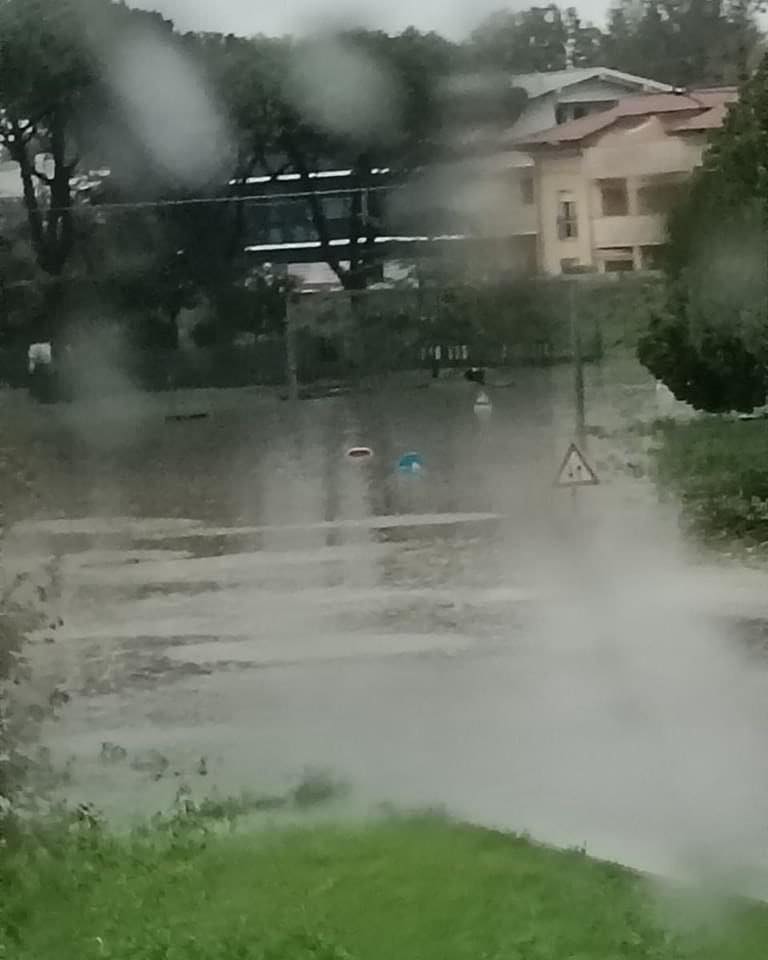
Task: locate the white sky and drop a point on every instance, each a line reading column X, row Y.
column 453, row 18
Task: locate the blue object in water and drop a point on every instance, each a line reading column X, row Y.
column 411, row 463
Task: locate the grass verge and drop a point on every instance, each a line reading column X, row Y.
column 419, row 888
column 719, row 470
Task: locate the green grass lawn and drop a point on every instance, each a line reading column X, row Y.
column 418, row 888
column 719, row 469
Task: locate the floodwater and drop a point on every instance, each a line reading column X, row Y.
column 235, row 589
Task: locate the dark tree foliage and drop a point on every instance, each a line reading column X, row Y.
column 686, row 43
column 712, row 349
column 715, row 373
column 540, row 39
column 291, row 117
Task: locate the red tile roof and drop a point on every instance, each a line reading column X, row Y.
column 701, row 109
column 711, row 119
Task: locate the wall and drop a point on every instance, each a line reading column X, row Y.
column 595, row 91
column 495, row 204
column 539, row 114
column 558, row 172
column 642, row 150
column 630, row 231
column 636, row 152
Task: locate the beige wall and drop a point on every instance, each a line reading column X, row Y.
column 560, row 174
column 642, row 149
column 493, row 205
column 483, row 195
column 636, row 153
column 631, row 231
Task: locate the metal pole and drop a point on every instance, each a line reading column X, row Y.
column 291, row 353
column 578, row 367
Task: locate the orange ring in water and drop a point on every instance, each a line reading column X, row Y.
column 359, row 453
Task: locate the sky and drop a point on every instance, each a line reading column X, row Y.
column 453, row 18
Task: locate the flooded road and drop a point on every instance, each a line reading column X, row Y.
column 241, row 603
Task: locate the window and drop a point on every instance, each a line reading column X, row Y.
column 569, row 265
column 658, row 195
column 567, row 221
column 571, row 111
column 619, row 266
column 618, row 260
column 335, row 208
column 526, row 189
column 614, row 198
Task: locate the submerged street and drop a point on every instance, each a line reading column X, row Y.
column 241, row 604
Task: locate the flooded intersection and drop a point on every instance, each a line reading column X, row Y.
column 463, row 638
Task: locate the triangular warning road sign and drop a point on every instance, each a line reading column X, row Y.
column 575, row 471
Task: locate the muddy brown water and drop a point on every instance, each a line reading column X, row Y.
column 236, row 589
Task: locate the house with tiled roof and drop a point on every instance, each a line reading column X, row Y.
column 605, row 182
column 563, row 95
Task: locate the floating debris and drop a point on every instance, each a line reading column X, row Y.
column 483, row 406
column 153, row 763
column 112, row 753
column 410, row 463
column 58, row 698
column 179, row 417
column 359, row 453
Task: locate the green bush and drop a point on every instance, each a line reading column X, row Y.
column 719, row 470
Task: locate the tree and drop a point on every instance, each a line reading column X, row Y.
column 45, row 74
column 356, row 101
column 711, row 348
column 687, row 43
column 59, row 117
column 714, row 371
column 541, row 39
column 20, row 279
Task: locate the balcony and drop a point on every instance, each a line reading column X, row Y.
column 639, row 159
column 637, row 231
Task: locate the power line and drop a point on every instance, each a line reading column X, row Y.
column 250, row 199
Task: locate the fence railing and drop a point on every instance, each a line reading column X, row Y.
column 265, row 363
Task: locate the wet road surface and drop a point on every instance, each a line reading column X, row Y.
column 235, row 590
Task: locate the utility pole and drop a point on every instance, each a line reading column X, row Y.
column 291, row 352
column 578, row 364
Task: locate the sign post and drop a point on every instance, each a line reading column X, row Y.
column 291, row 352
column 575, row 471
column 578, row 366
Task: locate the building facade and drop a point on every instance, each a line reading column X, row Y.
column 605, row 183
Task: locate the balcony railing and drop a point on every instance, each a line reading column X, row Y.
column 642, row 159
column 634, row 231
